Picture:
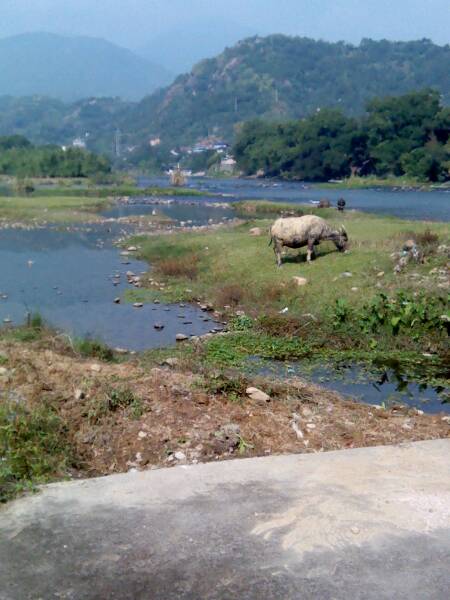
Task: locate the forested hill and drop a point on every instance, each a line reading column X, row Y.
column 71, row 68
column 280, row 77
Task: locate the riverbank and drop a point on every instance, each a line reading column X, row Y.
column 86, row 412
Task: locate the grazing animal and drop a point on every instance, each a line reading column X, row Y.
column 309, row 230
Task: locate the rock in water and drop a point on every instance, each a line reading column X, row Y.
column 180, row 337
column 158, row 326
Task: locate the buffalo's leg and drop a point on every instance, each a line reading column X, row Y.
column 277, row 247
column 310, row 251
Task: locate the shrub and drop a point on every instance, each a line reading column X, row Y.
column 280, row 325
column 230, row 295
column 230, row 383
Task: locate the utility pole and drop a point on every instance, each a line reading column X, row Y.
column 236, row 104
column 117, row 143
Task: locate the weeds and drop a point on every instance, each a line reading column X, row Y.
column 230, row 295
column 33, row 448
column 94, row 348
column 114, row 399
column 182, row 266
column 229, row 383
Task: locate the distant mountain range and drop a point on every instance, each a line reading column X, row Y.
column 275, row 77
column 70, row 68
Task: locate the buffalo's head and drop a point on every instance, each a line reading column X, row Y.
column 341, row 239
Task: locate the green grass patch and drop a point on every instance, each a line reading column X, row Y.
column 372, row 181
column 238, row 270
column 33, row 448
column 54, row 209
column 114, row 191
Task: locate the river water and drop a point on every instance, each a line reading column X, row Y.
column 412, row 204
column 69, row 277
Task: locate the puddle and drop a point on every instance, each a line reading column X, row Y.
column 383, row 385
column 69, row 278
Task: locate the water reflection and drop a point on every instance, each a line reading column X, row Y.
column 383, row 385
column 72, row 278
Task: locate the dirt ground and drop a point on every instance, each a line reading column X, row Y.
column 124, row 415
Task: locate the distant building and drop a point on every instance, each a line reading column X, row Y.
column 79, row 143
column 154, row 142
column 227, row 165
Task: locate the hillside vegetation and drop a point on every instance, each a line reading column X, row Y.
column 405, row 135
column 281, row 77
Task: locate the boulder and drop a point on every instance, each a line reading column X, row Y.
column 171, row 362
column 257, row 395
column 181, row 337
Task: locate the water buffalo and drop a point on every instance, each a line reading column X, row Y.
column 309, row 230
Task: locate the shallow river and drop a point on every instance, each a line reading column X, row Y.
column 69, row 278
column 433, row 205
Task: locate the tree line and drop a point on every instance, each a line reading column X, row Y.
column 20, row 158
column 403, row 135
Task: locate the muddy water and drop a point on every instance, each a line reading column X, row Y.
column 69, row 277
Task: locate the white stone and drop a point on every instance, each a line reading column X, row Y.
column 257, row 395
column 180, row 455
column 300, row 280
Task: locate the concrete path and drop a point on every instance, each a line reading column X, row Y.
column 366, row 524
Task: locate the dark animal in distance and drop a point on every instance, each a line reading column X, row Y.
column 309, row 230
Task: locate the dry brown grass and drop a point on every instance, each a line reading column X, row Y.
column 180, row 411
column 231, row 295
column 180, row 266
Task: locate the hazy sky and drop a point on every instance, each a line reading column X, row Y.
column 134, row 22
